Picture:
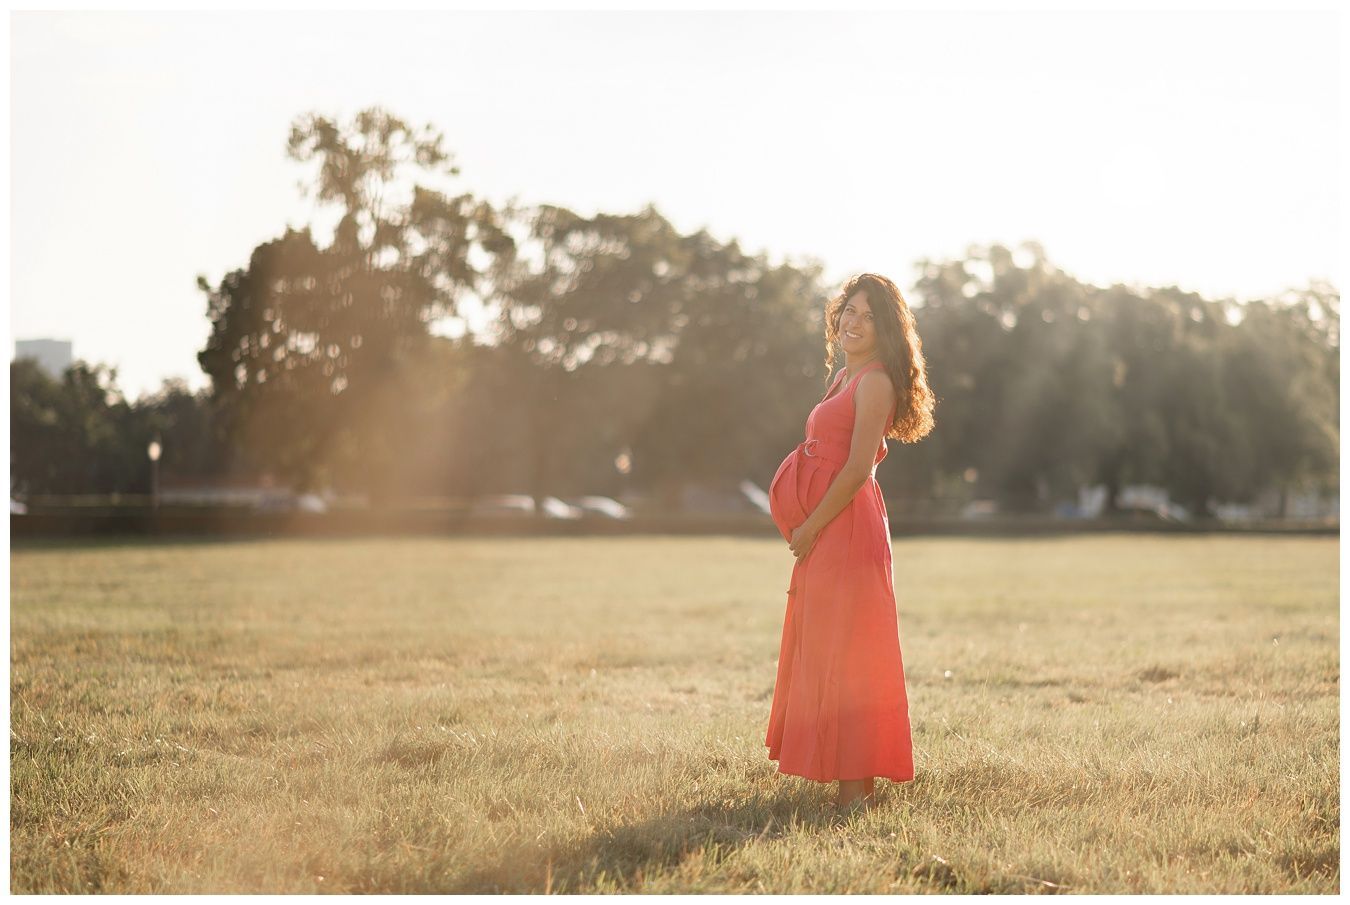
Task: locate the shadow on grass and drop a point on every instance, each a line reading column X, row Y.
column 623, row 855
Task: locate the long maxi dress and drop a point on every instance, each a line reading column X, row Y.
column 839, row 709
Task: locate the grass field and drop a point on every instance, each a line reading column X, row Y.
column 1109, row 713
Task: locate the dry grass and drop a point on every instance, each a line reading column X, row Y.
column 1123, row 714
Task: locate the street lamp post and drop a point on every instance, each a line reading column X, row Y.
column 623, row 463
column 154, row 451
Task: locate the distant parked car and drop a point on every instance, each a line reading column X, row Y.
column 1145, row 513
column 603, row 505
column 523, row 504
column 1174, row 512
column 504, row 504
column 978, row 509
column 755, row 494
column 275, row 502
column 310, row 502
column 555, row 508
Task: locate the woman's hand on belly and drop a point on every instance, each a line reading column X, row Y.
column 803, row 539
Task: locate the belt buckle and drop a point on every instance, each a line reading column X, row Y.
column 806, row 447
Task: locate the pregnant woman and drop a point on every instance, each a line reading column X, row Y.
column 839, row 706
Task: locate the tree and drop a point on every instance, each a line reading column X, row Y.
column 745, row 368
column 1020, row 365
column 1142, row 333
column 585, row 293
column 75, row 435
column 310, row 344
column 637, row 339
column 184, row 422
column 1283, row 388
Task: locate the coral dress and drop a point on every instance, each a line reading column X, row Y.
column 839, row 705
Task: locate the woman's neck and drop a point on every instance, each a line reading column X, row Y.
column 851, row 366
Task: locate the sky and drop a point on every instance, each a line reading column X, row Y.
column 1197, row 149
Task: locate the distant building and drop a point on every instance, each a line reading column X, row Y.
column 52, row 355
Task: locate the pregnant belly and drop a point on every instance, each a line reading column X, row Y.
column 797, row 488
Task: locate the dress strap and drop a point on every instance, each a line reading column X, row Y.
column 833, row 383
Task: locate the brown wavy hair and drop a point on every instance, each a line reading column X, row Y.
column 898, row 347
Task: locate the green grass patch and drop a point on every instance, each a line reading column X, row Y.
column 1096, row 714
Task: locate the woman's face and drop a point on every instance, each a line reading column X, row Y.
column 857, row 332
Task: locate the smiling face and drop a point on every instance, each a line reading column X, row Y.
column 857, row 329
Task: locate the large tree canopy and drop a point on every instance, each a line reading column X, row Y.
column 609, row 351
column 310, row 344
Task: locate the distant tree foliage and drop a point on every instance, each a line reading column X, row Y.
column 613, row 352
column 1047, row 384
column 632, row 337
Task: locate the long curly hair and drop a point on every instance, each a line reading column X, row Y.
column 898, row 347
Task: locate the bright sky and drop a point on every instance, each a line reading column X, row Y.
column 1197, row 149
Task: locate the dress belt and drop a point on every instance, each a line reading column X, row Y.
column 832, row 453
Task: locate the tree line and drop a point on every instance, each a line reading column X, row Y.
column 615, row 353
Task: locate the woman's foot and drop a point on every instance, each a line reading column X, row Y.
column 855, row 795
column 848, row 810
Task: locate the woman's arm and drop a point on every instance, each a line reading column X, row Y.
column 873, row 402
